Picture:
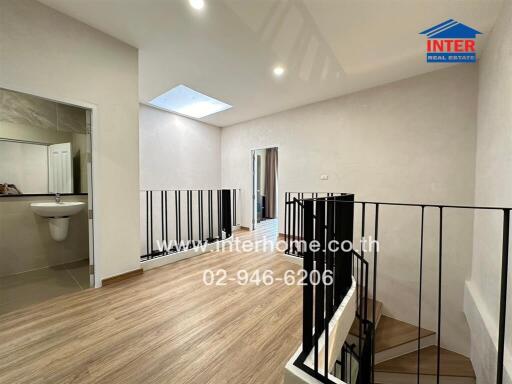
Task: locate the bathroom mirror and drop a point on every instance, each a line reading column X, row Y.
column 43, row 146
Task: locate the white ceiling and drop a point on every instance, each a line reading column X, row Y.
column 228, row 50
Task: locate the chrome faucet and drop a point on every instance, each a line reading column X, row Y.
column 57, row 198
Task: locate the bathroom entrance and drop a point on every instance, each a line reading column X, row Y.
column 45, row 200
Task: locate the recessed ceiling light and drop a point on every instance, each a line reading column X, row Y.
column 186, row 101
column 278, row 71
column 196, row 4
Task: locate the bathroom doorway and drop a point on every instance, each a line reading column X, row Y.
column 46, row 226
column 265, row 186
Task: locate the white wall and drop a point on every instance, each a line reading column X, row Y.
column 177, row 152
column 493, row 187
column 410, row 141
column 46, row 53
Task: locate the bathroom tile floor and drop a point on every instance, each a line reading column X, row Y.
column 23, row 289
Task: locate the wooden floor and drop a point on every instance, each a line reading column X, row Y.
column 393, row 333
column 164, row 326
column 452, row 364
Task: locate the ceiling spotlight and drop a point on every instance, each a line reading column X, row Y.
column 196, row 4
column 278, row 71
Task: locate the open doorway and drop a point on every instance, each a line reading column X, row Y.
column 45, row 199
column 265, row 185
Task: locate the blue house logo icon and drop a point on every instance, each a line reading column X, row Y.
column 451, row 42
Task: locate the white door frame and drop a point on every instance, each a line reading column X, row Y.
column 253, row 189
column 92, row 198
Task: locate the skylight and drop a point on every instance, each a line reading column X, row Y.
column 186, row 101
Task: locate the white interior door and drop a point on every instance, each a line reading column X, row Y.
column 60, row 168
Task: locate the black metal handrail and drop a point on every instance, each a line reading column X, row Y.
column 323, row 221
column 294, row 216
column 297, row 225
column 177, row 220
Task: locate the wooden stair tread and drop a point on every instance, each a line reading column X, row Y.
column 354, row 330
column 452, row 364
column 393, row 333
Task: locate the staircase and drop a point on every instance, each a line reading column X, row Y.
column 396, row 354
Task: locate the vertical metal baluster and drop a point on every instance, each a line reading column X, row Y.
column 162, row 219
column 315, row 302
column 320, row 269
column 362, row 301
column 191, row 215
column 330, row 259
column 299, row 219
column 151, row 220
column 176, row 217
column 147, row 224
column 294, row 249
column 166, row 222
column 343, row 363
column 202, row 215
column 233, row 208
column 350, row 366
column 366, row 287
column 302, row 226
column 188, row 217
column 219, row 214
column 286, row 208
column 439, row 299
column 307, row 297
column 199, row 219
column 179, row 219
column 503, row 296
column 375, row 260
column 363, row 223
column 420, row 290
column 329, row 295
column 210, row 214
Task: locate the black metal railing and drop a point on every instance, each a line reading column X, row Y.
column 177, row 220
column 294, row 218
column 314, row 218
column 346, row 365
column 353, row 365
column 323, row 221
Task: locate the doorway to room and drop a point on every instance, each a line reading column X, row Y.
column 45, row 199
column 265, row 185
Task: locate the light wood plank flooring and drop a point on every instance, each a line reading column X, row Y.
column 165, row 326
column 392, row 333
column 452, row 364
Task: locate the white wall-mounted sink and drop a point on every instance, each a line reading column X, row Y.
column 63, row 209
column 58, row 216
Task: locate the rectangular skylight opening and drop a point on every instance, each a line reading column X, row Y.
column 186, row 101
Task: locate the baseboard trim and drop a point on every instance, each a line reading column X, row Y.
column 121, row 277
column 480, row 323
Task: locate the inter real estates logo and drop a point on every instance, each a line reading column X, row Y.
column 451, row 42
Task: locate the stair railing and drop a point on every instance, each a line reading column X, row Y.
column 322, row 221
column 177, row 220
column 305, row 211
